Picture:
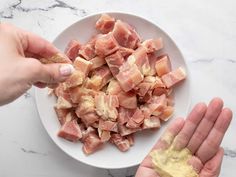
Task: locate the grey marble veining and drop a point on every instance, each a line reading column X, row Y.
column 230, row 153
column 8, row 13
column 203, row 30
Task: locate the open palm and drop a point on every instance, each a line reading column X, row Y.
column 202, row 133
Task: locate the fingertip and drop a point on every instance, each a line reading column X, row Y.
column 200, row 108
column 66, row 70
column 228, row 112
column 217, row 99
column 226, row 117
column 217, row 102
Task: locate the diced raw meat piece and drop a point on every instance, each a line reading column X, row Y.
column 154, row 103
column 108, row 125
column 151, row 122
column 86, row 110
column 95, row 125
column 158, row 83
column 105, row 23
column 146, row 98
column 88, row 50
column 140, row 58
column 82, row 65
column 147, row 85
column 123, row 130
column 158, row 91
column 124, row 115
column 136, row 120
column 143, row 88
column 57, row 58
column 97, row 62
column 69, row 117
column 74, row 80
column 93, row 83
column 106, row 106
column 129, row 76
column 152, row 45
column 100, row 77
column 77, row 92
column 137, row 116
column 130, row 138
column 86, row 131
column 62, row 103
column 106, row 45
column 121, row 142
column 86, row 105
column 152, row 58
column 114, row 61
column 172, row 78
column 163, row 66
column 125, row 35
column 62, row 114
column 70, row 131
column 104, row 135
column 103, row 72
column 72, row 49
column 167, row 113
column 113, row 87
column 125, row 52
column 150, row 79
column 91, row 143
column 170, row 101
column 60, row 91
column 127, row 100
column 89, row 118
column 159, row 110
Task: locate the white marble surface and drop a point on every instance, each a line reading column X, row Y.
column 205, row 31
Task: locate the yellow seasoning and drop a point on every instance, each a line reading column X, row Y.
column 57, row 58
column 173, row 163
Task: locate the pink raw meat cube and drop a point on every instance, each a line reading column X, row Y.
column 114, row 61
column 106, row 45
column 125, row 35
column 70, row 131
column 172, row 78
column 72, row 49
column 105, row 23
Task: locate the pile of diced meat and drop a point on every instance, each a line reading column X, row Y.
column 120, row 86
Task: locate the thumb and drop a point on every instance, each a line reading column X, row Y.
column 34, row 71
column 213, row 166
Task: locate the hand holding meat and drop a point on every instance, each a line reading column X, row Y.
column 20, row 67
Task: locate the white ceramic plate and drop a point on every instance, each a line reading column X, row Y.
column 110, row 156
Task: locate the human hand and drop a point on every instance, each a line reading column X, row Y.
column 19, row 64
column 202, row 133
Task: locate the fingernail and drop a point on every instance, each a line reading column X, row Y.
column 66, row 70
